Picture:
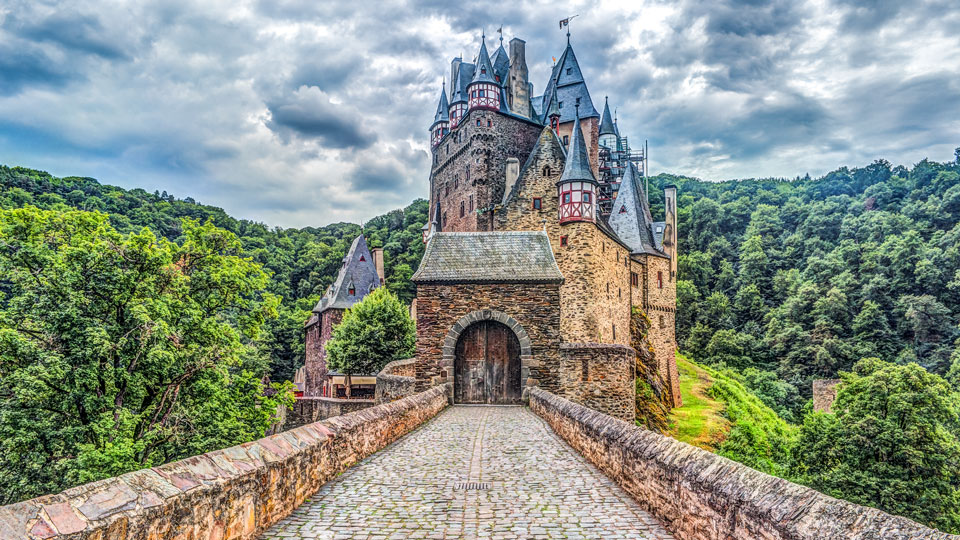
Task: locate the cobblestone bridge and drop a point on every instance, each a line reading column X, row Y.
column 472, row 472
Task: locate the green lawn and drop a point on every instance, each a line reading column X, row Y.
column 699, row 421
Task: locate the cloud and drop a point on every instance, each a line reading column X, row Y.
column 297, row 112
column 309, row 113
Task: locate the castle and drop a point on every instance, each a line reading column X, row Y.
column 540, row 241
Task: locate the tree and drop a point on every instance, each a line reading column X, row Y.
column 891, row 442
column 119, row 352
column 374, row 332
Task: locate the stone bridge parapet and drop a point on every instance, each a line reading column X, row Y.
column 396, row 380
column 698, row 495
column 230, row 494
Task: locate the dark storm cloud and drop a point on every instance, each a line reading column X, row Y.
column 23, row 65
column 299, row 112
column 307, row 113
column 72, row 31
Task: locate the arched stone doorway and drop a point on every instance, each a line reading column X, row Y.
column 486, row 365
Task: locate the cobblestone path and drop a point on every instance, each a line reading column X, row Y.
column 537, row 487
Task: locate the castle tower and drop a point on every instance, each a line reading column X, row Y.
column 460, row 76
column 518, row 85
column 577, row 187
column 441, row 120
column 553, row 113
column 608, row 130
column 483, row 92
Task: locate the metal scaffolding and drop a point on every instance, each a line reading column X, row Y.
column 613, row 163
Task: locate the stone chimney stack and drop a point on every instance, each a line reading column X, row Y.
column 518, row 87
column 455, row 74
column 377, row 254
column 670, row 234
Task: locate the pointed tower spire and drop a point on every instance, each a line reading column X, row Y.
column 606, row 123
column 577, row 166
column 484, row 90
column 441, row 120
column 577, row 186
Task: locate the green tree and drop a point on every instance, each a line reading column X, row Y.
column 891, row 442
column 374, row 332
column 119, row 352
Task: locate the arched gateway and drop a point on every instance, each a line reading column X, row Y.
column 487, row 365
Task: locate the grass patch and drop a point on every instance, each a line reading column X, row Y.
column 699, row 421
column 720, row 415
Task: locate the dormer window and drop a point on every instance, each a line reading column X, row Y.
column 483, row 71
column 363, row 259
column 569, row 70
column 560, row 105
column 352, row 291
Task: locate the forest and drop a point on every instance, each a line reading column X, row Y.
column 853, row 275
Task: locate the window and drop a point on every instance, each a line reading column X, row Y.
column 634, row 279
column 586, row 199
column 608, row 288
column 448, row 148
column 569, row 70
column 661, row 322
column 352, row 291
column 478, row 122
column 560, row 105
column 619, row 292
column 566, row 140
column 546, row 170
column 481, row 93
column 363, row 259
column 566, row 198
column 623, row 208
column 614, row 332
column 463, row 209
column 563, row 241
column 446, row 190
column 444, row 219
column 659, row 279
column 456, row 182
column 489, row 123
column 471, row 203
column 618, row 256
column 536, row 203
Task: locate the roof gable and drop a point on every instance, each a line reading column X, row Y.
column 357, row 272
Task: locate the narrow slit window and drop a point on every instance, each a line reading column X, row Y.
column 563, row 241
column 537, row 203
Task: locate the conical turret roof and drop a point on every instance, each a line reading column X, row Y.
column 567, row 79
column 443, row 108
column 607, row 126
column 630, row 217
column 577, row 166
column 484, row 70
column 552, row 108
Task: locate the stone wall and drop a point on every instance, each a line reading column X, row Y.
column 307, row 410
column 396, row 380
column 535, row 307
column 824, row 394
column 660, row 305
column 470, row 165
column 600, row 376
column 698, row 495
column 316, row 339
column 230, row 494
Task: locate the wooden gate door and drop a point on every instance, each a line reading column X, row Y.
column 487, row 365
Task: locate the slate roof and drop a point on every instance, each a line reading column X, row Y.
column 443, row 108
column 630, row 216
column 489, row 257
column 501, row 63
column 464, row 76
column 577, row 165
column 356, row 273
column 484, row 71
column 569, row 86
column 607, row 127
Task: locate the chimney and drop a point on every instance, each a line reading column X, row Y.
column 513, row 172
column 454, row 73
column 377, row 254
column 518, row 86
column 670, row 234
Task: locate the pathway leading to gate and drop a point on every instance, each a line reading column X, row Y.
column 528, row 483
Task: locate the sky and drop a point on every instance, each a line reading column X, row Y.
column 304, row 112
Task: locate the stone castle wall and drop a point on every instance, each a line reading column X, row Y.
column 470, row 162
column 698, row 495
column 396, row 380
column 230, row 494
column 600, row 376
column 535, row 307
column 307, row 410
column 591, row 135
column 661, row 308
column 315, row 362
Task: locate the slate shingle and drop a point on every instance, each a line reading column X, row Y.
column 489, row 257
